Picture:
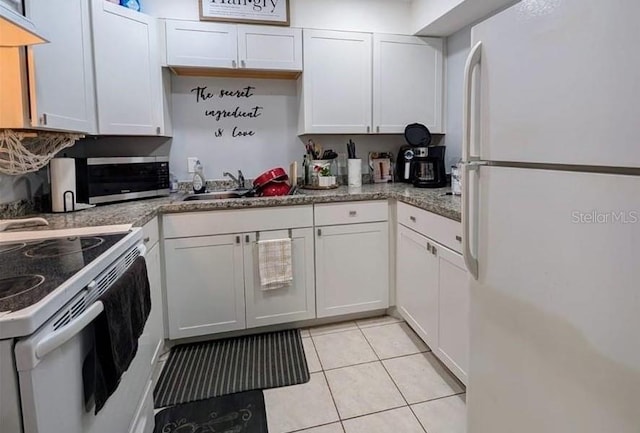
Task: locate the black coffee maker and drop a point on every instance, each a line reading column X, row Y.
column 419, row 163
column 428, row 170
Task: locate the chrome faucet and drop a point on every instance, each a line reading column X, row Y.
column 239, row 180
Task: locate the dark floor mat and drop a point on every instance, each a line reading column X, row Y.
column 238, row 413
column 214, row 368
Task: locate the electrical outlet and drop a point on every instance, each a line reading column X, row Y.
column 191, row 163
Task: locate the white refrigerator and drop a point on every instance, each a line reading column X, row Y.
column 551, row 216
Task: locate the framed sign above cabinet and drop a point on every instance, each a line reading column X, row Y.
column 273, row 12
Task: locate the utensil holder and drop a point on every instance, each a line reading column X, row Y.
column 354, row 172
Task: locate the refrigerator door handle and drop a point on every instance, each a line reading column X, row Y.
column 473, row 59
column 470, row 260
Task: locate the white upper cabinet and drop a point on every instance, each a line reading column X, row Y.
column 273, row 48
column 407, row 83
column 356, row 83
column 127, row 70
column 63, row 69
column 229, row 46
column 201, row 44
column 336, row 82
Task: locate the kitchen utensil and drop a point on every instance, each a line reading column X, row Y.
column 351, row 149
column 417, row 134
column 277, row 173
column 274, row 188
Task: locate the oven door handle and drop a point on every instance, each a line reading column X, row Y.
column 53, row 341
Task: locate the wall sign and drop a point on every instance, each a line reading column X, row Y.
column 274, row 12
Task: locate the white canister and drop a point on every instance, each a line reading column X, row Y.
column 456, row 182
column 354, row 172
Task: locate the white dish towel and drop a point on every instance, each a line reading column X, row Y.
column 274, row 258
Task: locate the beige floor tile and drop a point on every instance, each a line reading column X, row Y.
column 312, row 357
column 298, row 407
column 400, row 420
column 421, row 377
column 342, row 349
column 446, row 415
column 393, row 340
column 363, row 389
column 329, row 428
column 377, row 321
column 333, row 327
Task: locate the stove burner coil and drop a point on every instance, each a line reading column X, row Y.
column 13, row 286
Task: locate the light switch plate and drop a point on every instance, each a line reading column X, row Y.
column 191, row 164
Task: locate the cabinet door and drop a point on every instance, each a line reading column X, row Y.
column 155, row 322
column 198, row 44
column 63, row 68
column 417, row 284
column 128, row 72
column 337, row 82
column 272, row 48
column 407, row 82
column 453, row 306
column 352, row 268
column 205, row 285
column 287, row 304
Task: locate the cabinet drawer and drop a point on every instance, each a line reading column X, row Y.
column 327, row 214
column 236, row 221
column 436, row 227
column 150, row 233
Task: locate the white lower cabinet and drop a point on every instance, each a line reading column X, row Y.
column 417, row 284
column 432, row 287
column 286, row 304
column 156, row 328
column 205, row 285
column 213, row 282
column 352, row 268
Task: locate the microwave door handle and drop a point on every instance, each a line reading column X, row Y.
column 53, row 341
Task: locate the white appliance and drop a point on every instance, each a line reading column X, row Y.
column 43, row 346
column 551, row 218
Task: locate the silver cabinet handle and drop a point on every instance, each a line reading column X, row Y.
column 352, row 213
column 44, row 119
column 434, row 250
column 319, row 232
column 246, row 239
column 238, row 240
column 243, row 64
column 377, row 129
column 412, row 218
column 368, row 128
column 459, row 238
column 158, row 130
column 233, row 63
column 428, row 247
column 146, row 240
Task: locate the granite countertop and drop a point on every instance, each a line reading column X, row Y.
column 140, row 212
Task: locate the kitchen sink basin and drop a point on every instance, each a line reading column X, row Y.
column 216, row 195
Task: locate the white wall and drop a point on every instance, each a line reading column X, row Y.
column 383, row 16
column 458, row 46
column 13, row 188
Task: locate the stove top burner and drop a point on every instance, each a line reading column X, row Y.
column 13, row 286
column 63, row 246
column 7, row 248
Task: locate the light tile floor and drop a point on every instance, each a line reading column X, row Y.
column 372, row 375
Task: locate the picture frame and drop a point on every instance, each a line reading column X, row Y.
column 269, row 12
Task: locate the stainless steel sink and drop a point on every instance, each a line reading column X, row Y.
column 216, row 195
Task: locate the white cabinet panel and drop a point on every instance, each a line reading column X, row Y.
column 407, row 82
column 127, row 71
column 453, row 309
column 417, row 284
column 326, row 214
column 63, row 68
column 336, row 82
column 155, row 322
column 287, row 304
column 352, row 268
column 201, row 44
column 205, row 285
column 272, row 48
